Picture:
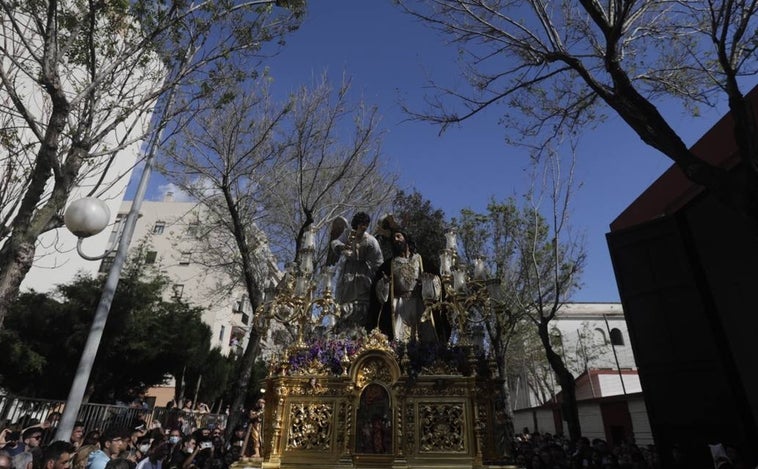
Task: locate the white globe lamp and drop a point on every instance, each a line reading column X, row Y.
column 87, row 217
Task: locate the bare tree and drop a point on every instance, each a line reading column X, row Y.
column 265, row 171
column 557, row 67
column 538, row 261
column 333, row 166
column 80, row 81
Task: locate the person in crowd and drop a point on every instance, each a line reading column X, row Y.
column 92, row 438
column 112, row 442
column 361, row 256
column 175, row 437
column 56, row 455
column 180, row 450
column 236, row 443
column 9, row 441
column 157, row 452
column 120, row 463
column 135, row 435
column 31, row 438
column 26, row 459
column 77, row 434
column 5, row 460
column 203, row 408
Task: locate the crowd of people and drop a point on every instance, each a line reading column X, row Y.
column 131, row 447
column 546, row 451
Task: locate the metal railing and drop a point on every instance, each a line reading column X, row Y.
column 24, row 412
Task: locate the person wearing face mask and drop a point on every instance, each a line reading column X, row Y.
column 156, row 453
column 176, row 447
column 181, row 452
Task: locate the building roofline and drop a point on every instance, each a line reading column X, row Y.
column 673, row 190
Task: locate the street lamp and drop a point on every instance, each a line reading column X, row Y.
column 85, row 217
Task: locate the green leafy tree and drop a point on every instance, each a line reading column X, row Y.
column 425, row 223
column 538, row 263
column 146, row 339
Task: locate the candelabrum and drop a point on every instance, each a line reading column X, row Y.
column 303, row 297
column 469, row 299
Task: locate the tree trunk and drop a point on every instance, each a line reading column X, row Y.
column 567, row 383
column 16, row 257
column 508, row 430
column 236, row 414
column 254, row 293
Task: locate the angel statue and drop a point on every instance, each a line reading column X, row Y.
column 360, row 257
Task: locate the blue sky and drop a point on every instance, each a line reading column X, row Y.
column 388, row 55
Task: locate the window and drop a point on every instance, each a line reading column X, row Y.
column 159, row 227
column 193, row 228
column 150, row 257
column 600, row 336
column 617, row 338
column 178, row 290
column 118, row 228
column 556, row 339
column 221, row 334
column 106, row 264
column 184, row 258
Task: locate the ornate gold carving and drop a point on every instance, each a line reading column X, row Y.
column 375, row 340
column 435, row 392
column 440, row 367
column 410, row 428
column 441, row 427
column 313, row 367
column 373, row 369
column 310, row 427
column 312, row 388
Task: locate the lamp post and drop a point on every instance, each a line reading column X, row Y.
column 79, row 218
column 81, row 215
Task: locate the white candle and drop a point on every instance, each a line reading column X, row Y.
column 480, row 271
column 450, row 241
column 301, row 286
column 308, row 239
column 445, row 262
column 459, row 279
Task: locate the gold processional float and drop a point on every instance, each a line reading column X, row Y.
column 369, row 403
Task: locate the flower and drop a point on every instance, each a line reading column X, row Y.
column 329, row 353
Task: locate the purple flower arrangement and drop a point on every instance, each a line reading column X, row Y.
column 329, row 353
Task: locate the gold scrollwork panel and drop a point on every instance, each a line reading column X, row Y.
column 310, row 426
column 441, row 427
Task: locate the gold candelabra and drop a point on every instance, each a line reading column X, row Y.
column 298, row 299
column 468, row 297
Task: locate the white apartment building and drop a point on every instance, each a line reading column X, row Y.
column 165, row 227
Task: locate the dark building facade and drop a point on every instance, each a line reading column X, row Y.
column 687, row 272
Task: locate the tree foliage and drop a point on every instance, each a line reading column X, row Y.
column 80, row 81
column 556, row 68
column 424, row 223
column 267, row 172
column 537, row 261
column 146, row 339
